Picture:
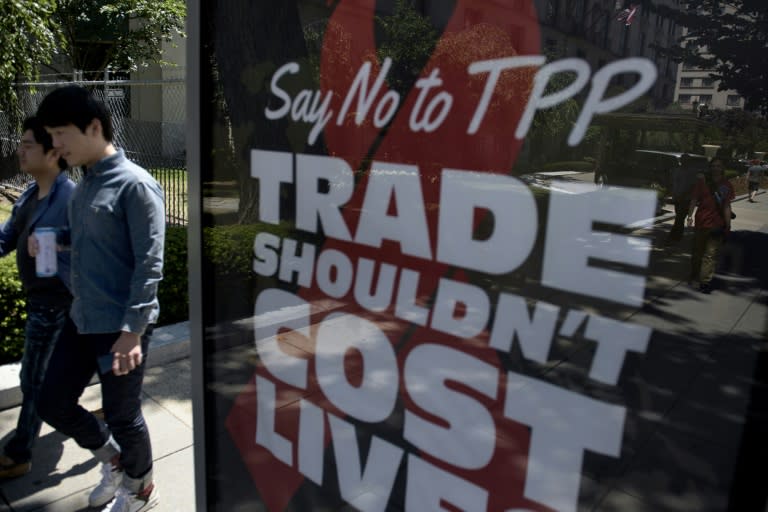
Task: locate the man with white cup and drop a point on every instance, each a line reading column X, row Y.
column 42, row 207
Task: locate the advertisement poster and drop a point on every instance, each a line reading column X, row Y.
column 399, row 313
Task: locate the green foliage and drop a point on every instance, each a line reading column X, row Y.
column 408, row 39
column 227, row 249
column 28, row 38
column 122, row 34
column 13, row 313
column 728, row 38
column 173, row 292
column 738, row 131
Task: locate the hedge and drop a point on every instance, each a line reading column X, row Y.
column 172, row 294
column 13, row 313
column 227, row 248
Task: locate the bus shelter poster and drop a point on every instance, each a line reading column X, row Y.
column 414, row 324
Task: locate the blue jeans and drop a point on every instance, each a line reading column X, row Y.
column 44, row 324
column 70, row 369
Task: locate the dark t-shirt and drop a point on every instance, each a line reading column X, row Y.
column 43, row 290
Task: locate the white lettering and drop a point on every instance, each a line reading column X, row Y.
column 571, row 242
column 398, row 182
column 367, row 490
column 428, row 486
column 475, row 302
column 614, row 339
column 538, row 100
column 514, row 217
column 494, row 67
column 313, row 205
column 271, row 168
column 425, row 121
column 292, row 68
column 560, row 432
column 334, row 273
column 374, row 399
column 265, row 247
column 534, row 332
column 596, row 103
column 360, row 87
column 469, row 438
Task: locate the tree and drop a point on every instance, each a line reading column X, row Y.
column 739, row 132
column 28, row 37
column 90, row 34
column 731, row 39
column 122, row 34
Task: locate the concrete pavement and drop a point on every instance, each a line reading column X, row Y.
column 63, row 474
column 693, row 399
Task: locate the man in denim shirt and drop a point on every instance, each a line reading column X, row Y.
column 43, row 204
column 117, row 233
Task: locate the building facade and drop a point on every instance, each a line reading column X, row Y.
column 600, row 31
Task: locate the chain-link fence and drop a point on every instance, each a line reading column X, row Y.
column 148, row 119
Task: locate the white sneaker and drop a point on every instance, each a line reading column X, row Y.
column 126, row 501
column 111, row 478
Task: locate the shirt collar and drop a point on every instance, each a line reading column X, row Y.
column 107, row 163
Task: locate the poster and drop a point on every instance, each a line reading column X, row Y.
column 401, row 318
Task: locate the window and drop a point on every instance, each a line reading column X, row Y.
column 707, row 82
column 333, row 312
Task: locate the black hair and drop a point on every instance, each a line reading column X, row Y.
column 73, row 104
column 35, row 125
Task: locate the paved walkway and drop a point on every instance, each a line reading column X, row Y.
column 685, row 436
column 63, row 474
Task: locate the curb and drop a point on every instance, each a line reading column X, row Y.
column 169, row 343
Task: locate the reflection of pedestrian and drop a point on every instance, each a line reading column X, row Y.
column 711, row 198
column 754, row 175
column 43, row 204
column 118, row 229
column 682, row 181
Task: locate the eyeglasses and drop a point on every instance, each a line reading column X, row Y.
column 29, row 144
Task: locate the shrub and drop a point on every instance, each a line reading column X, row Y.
column 173, row 292
column 13, row 313
column 228, row 249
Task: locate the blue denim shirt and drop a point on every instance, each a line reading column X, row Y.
column 117, row 221
column 51, row 212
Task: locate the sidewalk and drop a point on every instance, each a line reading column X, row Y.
column 63, row 474
column 688, row 398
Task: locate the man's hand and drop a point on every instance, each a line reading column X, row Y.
column 127, row 353
column 33, row 246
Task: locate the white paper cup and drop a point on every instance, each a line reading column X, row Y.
column 45, row 261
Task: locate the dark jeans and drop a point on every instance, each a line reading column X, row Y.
column 44, row 324
column 681, row 212
column 71, row 367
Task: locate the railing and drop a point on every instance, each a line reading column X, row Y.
column 148, row 117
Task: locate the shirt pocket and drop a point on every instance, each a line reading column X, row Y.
column 102, row 215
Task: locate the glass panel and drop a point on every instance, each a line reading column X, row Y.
column 448, row 266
